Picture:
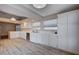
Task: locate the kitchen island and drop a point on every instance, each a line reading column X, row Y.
column 18, row 34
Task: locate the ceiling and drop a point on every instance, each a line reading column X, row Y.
column 9, row 16
column 28, row 11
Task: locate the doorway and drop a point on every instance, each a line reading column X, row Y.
column 28, row 36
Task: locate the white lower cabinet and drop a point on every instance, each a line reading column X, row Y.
column 17, row 34
column 41, row 38
column 38, row 38
column 14, row 35
column 33, row 37
column 53, row 42
column 23, row 35
column 45, row 38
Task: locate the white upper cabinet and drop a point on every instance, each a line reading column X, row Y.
column 73, row 18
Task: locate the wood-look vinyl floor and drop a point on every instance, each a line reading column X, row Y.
column 23, row 47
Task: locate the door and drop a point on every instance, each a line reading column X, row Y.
column 62, row 32
column 73, row 33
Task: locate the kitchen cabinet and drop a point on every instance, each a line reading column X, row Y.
column 62, row 31
column 45, row 38
column 67, row 38
column 17, row 34
column 53, row 41
column 39, row 37
column 73, row 32
column 23, row 35
column 14, row 35
column 35, row 37
column 68, row 31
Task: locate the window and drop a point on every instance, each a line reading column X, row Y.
column 50, row 24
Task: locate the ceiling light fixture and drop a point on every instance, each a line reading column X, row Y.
column 13, row 19
column 39, row 6
column 25, row 24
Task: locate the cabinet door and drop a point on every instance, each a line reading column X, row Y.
column 73, row 33
column 23, row 35
column 62, row 32
column 33, row 37
column 14, row 35
column 44, row 38
column 39, row 38
column 53, row 41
